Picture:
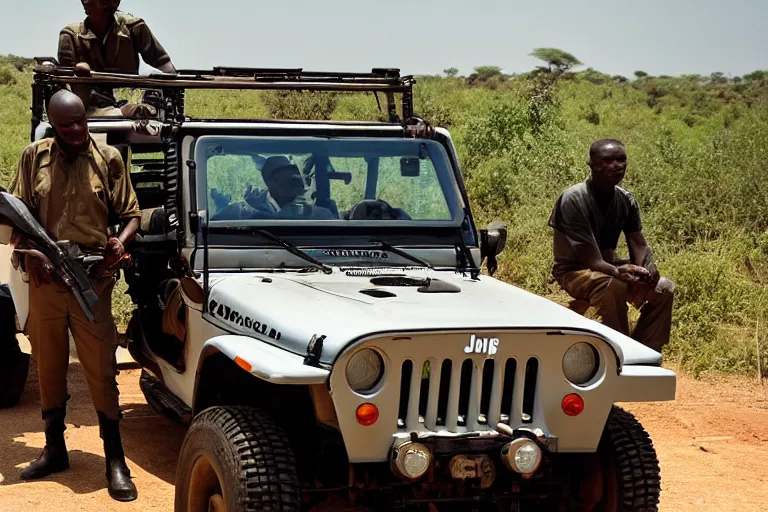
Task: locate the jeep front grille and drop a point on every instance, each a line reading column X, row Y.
column 466, row 395
column 445, row 384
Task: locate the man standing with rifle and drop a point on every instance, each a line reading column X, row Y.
column 74, row 187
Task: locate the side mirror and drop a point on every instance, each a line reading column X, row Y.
column 497, row 236
column 493, row 240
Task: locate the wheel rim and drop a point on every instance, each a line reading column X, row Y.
column 610, row 487
column 205, row 492
column 609, row 500
column 216, row 504
column 600, row 490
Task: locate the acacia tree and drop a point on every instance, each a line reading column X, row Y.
column 542, row 88
column 641, row 74
column 451, row 72
column 559, row 61
column 718, row 78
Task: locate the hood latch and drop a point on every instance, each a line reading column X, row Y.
column 314, row 351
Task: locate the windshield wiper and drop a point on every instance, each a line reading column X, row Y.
column 288, row 246
column 401, row 253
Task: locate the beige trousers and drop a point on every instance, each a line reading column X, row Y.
column 53, row 312
column 610, row 297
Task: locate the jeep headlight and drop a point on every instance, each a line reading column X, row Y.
column 580, row 363
column 364, row 370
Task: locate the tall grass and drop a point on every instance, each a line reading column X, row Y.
column 697, row 156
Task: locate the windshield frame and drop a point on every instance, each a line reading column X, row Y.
column 438, row 154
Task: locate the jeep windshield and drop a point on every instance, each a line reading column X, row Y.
column 247, row 181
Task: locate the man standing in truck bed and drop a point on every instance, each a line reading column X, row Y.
column 109, row 40
column 587, row 220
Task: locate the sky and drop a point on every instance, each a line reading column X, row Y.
column 661, row 37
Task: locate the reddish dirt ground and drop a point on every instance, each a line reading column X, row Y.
column 712, row 443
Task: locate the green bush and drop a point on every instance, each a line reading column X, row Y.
column 300, row 105
column 696, row 165
column 19, row 63
column 7, row 76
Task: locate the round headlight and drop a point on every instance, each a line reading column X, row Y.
column 580, row 363
column 522, row 456
column 364, row 370
column 411, row 460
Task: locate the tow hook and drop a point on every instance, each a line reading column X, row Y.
column 536, row 434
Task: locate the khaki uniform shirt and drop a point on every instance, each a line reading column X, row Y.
column 582, row 217
column 73, row 199
column 119, row 51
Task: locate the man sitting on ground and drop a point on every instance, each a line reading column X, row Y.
column 587, row 220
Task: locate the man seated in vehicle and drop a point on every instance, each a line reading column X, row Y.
column 109, row 40
column 286, row 192
column 587, row 220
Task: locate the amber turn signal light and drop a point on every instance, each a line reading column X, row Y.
column 367, row 414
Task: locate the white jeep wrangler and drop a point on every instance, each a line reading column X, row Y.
column 309, row 301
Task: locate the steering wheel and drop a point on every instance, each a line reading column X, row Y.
column 376, row 209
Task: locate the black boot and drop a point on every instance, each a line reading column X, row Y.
column 54, row 458
column 120, row 486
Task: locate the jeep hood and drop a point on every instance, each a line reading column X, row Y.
column 288, row 309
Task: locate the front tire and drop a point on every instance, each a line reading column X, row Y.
column 631, row 477
column 236, row 459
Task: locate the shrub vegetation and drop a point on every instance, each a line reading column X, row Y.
column 697, row 148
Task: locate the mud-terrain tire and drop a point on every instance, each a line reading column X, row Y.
column 631, row 473
column 236, row 459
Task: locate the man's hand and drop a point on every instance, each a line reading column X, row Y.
column 39, row 267
column 633, row 274
column 418, row 127
column 82, row 69
column 113, row 252
column 252, row 195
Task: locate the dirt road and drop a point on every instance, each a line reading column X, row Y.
column 712, row 443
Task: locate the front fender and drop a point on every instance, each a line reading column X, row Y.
column 267, row 362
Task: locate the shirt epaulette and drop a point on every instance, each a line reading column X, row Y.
column 128, row 19
column 74, row 29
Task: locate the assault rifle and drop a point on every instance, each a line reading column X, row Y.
column 67, row 259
